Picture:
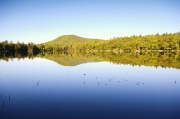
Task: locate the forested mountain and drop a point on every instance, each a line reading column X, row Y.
column 164, row 43
column 66, row 41
column 120, row 50
column 69, row 39
column 155, row 42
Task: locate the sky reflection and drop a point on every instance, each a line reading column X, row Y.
column 40, row 88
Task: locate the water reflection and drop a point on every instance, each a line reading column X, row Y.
column 2, row 104
column 156, row 59
column 90, row 91
column 4, row 100
column 38, row 83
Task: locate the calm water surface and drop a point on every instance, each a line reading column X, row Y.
column 40, row 88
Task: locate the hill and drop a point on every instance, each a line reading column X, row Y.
column 69, row 39
column 161, row 43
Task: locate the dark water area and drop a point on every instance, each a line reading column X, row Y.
column 40, row 88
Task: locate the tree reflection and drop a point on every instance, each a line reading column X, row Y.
column 156, row 59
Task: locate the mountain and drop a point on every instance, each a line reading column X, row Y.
column 70, row 39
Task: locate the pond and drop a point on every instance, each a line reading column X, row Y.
column 42, row 88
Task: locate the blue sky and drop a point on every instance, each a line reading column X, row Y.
column 43, row 20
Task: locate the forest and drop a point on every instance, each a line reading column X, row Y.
column 150, row 50
column 164, row 43
column 6, row 46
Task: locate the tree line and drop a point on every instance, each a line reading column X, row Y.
column 164, row 42
column 6, row 46
column 17, row 50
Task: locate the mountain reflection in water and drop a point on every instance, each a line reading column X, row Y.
column 108, row 85
column 156, row 59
